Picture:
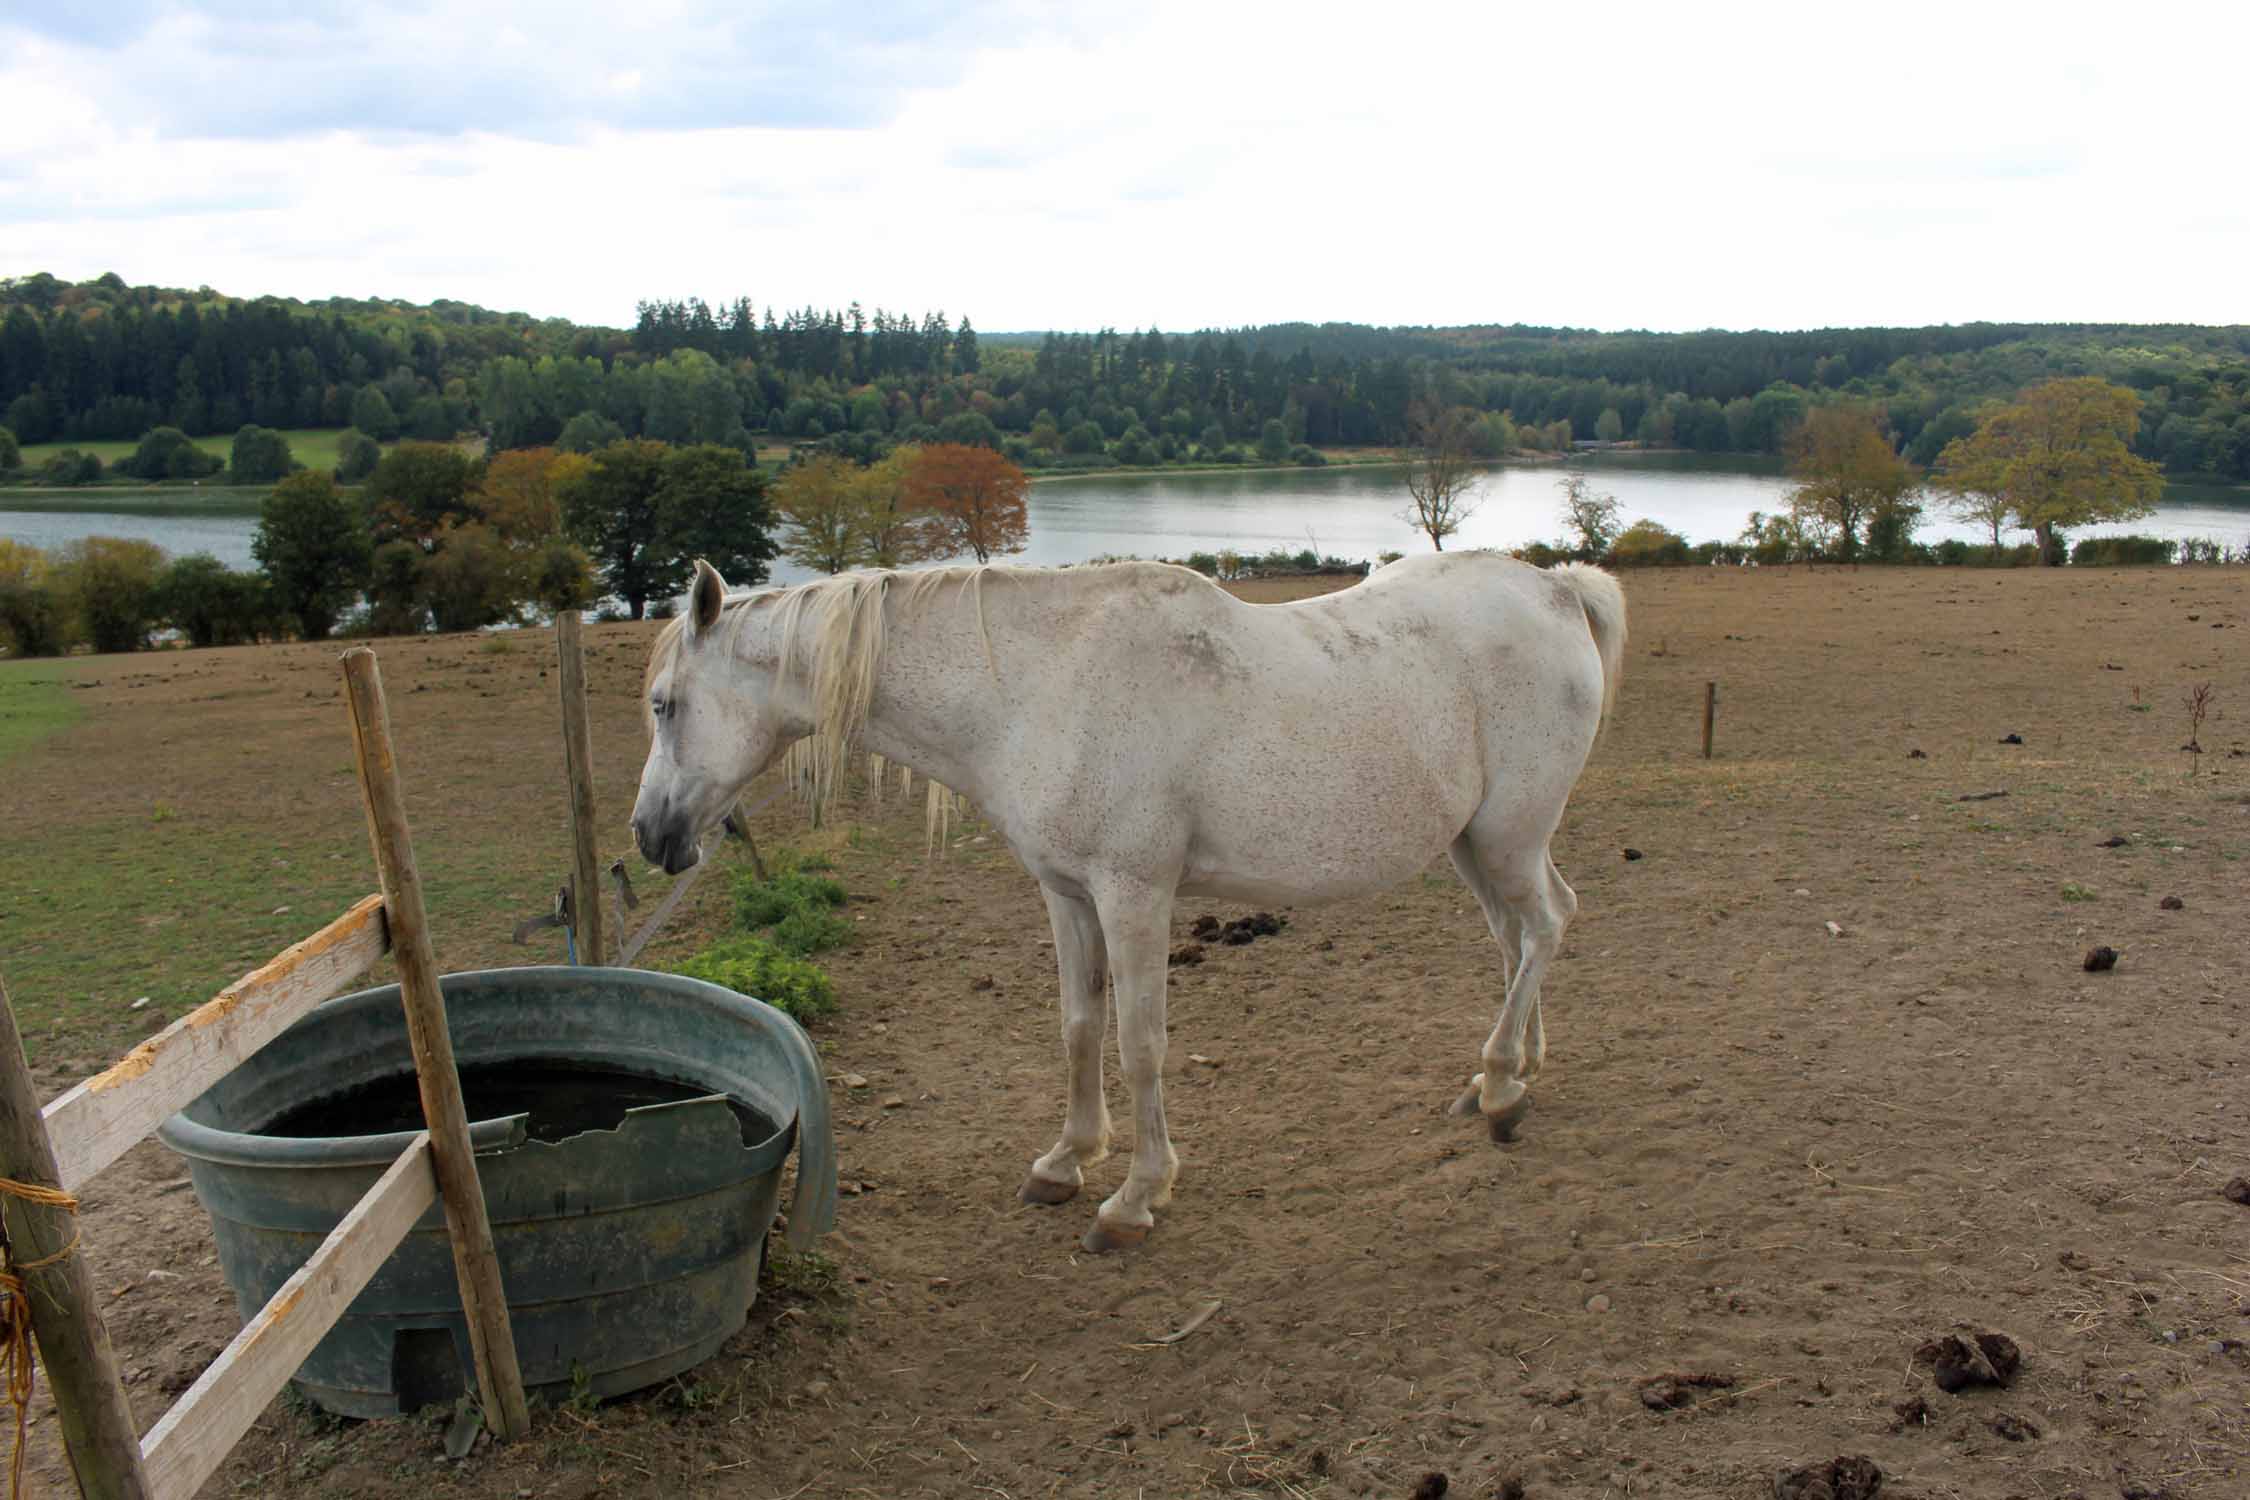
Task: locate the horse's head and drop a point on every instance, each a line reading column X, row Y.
column 708, row 733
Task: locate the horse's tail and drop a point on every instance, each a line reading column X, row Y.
column 1603, row 599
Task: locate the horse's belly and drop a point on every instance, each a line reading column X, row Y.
column 1306, row 848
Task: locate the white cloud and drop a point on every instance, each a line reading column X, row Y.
column 1179, row 164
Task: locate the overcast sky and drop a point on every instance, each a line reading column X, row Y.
column 1068, row 165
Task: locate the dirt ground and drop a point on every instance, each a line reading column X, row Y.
column 1768, row 1161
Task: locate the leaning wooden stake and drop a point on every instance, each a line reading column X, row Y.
column 578, row 763
column 1710, row 712
column 475, row 1263
column 97, row 1425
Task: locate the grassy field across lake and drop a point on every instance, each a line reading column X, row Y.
column 314, row 447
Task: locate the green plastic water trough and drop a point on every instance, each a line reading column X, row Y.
column 630, row 1232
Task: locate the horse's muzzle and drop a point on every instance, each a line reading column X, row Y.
column 667, row 842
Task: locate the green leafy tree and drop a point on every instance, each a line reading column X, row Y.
column 970, row 427
column 70, row 468
column 30, row 416
column 1848, row 475
column 1273, row 440
column 395, row 605
column 470, row 580
column 373, row 415
column 712, row 504
column 110, row 584
column 168, row 453
column 357, row 454
column 189, row 410
column 610, row 508
column 429, row 419
column 210, row 603
column 588, row 431
column 1609, row 427
column 261, row 456
column 418, row 488
column 314, row 548
column 644, row 512
column 11, row 455
column 2058, row 457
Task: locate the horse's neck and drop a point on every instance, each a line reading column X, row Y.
column 937, row 706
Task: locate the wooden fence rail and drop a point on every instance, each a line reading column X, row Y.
column 63, row 1145
column 190, row 1441
column 101, row 1119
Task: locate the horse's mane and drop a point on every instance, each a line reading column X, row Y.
column 845, row 615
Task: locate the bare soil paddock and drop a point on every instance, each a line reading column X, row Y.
column 1767, row 1162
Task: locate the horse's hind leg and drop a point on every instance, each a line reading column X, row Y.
column 1084, row 962
column 1527, row 904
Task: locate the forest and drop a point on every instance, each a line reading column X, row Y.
column 102, row 360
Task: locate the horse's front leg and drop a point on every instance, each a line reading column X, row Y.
column 1137, row 920
column 1084, row 961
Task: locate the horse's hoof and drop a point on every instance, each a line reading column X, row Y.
column 1503, row 1124
column 1103, row 1238
column 1038, row 1189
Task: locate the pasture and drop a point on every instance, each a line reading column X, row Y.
column 313, row 447
column 1768, row 1160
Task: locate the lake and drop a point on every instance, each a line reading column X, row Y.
column 1339, row 512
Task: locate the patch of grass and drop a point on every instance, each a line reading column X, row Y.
column 177, row 908
column 801, row 1273
column 35, row 702
column 760, row 969
column 763, row 903
column 313, row 447
column 809, row 930
column 2073, row 891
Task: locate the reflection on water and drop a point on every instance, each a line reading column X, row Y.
column 216, row 519
column 1340, row 512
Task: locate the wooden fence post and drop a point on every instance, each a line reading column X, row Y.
column 1710, row 712
column 475, row 1263
column 97, row 1424
column 578, row 763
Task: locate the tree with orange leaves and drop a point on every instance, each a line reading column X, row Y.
column 973, row 497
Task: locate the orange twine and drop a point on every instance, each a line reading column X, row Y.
column 15, row 1316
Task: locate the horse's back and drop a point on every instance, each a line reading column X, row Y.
column 1336, row 743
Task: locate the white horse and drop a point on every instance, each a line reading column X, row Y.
column 1134, row 732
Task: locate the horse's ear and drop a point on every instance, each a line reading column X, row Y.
column 708, row 593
